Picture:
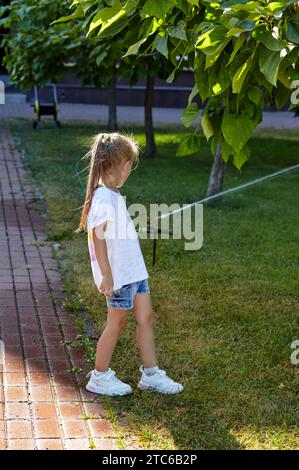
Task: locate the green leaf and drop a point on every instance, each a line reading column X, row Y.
column 172, row 76
column 249, row 110
column 247, row 25
column 193, row 93
column 212, row 40
column 273, row 6
column 211, row 59
column 178, row 31
column 254, row 94
column 289, row 60
column 158, row 8
column 241, row 27
column 258, row 115
column 219, row 79
column 228, row 20
column 100, row 57
column 201, row 78
column 111, row 21
column 285, row 79
column 110, row 30
column 213, row 145
column 241, row 74
column 237, row 130
column 202, row 81
column 237, row 47
column 241, row 157
column 135, row 47
column 240, row 5
column 106, row 17
column 232, row 3
column 281, row 95
column 189, row 114
column 269, row 64
column 78, row 13
column 271, row 42
column 293, row 31
column 154, row 25
column 188, row 145
column 160, row 43
column 226, row 151
column 207, row 126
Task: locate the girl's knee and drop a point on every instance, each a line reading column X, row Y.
column 147, row 318
column 117, row 324
column 123, row 322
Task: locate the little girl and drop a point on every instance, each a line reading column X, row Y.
column 118, row 266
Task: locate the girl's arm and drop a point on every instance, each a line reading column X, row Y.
column 106, row 286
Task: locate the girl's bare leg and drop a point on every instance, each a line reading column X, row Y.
column 116, row 320
column 145, row 337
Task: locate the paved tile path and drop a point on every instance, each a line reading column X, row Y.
column 41, row 405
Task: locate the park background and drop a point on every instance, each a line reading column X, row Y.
column 226, row 314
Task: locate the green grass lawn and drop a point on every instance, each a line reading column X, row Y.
column 226, row 314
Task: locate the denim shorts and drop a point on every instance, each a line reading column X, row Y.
column 123, row 298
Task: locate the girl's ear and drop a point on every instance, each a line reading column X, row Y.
column 128, row 163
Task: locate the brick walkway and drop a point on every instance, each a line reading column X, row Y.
column 41, row 404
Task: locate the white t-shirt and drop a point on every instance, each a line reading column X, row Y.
column 123, row 248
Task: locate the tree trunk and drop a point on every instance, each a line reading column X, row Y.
column 217, row 174
column 112, row 119
column 150, row 148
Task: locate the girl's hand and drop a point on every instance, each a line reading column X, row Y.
column 106, row 286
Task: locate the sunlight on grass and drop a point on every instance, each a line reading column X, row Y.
column 268, row 438
column 226, row 315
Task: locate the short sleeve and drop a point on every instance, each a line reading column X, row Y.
column 101, row 210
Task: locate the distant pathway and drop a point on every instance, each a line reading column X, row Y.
column 132, row 114
column 41, row 404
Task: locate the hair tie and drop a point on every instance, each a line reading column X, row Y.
column 105, row 137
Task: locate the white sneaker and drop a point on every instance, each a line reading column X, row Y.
column 158, row 382
column 107, row 384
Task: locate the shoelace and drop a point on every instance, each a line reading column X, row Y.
column 162, row 373
column 110, row 376
column 105, row 377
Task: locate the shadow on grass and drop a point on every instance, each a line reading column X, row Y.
column 225, row 315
